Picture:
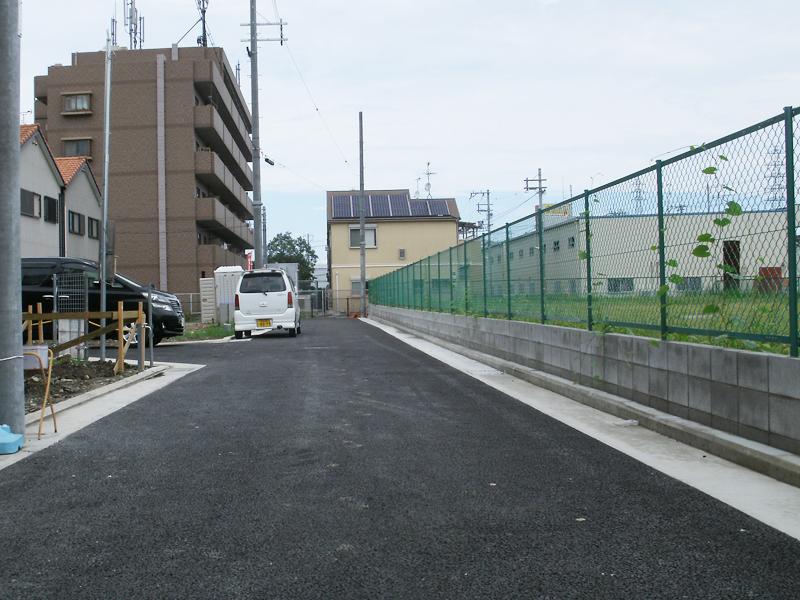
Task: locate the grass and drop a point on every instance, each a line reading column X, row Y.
column 202, row 331
column 737, row 315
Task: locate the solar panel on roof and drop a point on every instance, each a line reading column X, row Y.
column 439, row 208
column 357, row 205
column 419, row 208
column 399, row 204
column 341, row 207
column 380, row 205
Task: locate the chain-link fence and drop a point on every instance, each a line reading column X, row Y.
column 701, row 244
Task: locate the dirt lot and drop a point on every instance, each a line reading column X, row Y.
column 70, row 378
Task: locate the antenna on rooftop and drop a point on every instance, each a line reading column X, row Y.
column 638, row 196
column 238, row 73
column 202, row 6
column 428, row 174
column 134, row 24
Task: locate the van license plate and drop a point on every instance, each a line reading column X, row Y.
column 264, row 323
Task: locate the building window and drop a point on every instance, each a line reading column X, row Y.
column 556, row 246
column 690, row 284
column 370, row 236
column 50, row 209
column 94, row 228
column 521, row 253
column 77, row 223
column 77, row 103
column 617, row 285
column 30, row 204
column 530, row 251
column 401, row 253
column 571, row 242
column 78, row 147
column 355, row 287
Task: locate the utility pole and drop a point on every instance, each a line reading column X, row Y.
column 485, row 207
column 12, row 398
column 361, row 215
column 104, row 225
column 259, row 260
column 539, row 189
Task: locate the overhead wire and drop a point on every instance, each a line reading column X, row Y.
column 308, row 89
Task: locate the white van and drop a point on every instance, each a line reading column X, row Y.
column 265, row 301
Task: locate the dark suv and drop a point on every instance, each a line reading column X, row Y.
column 37, row 286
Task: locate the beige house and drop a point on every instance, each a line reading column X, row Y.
column 399, row 231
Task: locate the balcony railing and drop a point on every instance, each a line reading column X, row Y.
column 211, row 170
column 212, row 214
column 209, row 124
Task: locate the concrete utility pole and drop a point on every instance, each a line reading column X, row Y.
column 12, row 398
column 259, row 242
column 485, row 207
column 104, row 225
column 361, row 214
column 539, row 189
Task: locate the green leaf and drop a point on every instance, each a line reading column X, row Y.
column 706, row 237
column 701, row 251
column 710, row 170
column 760, row 259
column 728, row 188
column 751, row 345
column 655, row 343
column 723, row 157
column 710, row 309
column 676, row 279
column 727, row 269
column 582, row 255
column 723, row 222
column 692, row 147
column 672, row 263
column 654, row 248
column 662, row 291
column 734, row 209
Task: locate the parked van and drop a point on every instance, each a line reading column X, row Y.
column 265, row 301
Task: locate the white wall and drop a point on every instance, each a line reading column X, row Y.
column 38, row 238
column 81, row 198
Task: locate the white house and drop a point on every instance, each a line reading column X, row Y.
column 41, row 196
column 83, row 207
column 60, row 202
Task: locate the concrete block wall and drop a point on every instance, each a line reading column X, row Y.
column 750, row 394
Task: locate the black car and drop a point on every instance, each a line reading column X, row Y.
column 37, row 286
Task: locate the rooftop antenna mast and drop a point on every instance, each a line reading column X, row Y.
column 776, row 176
column 202, row 6
column 238, row 73
column 134, row 25
column 638, row 196
column 416, row 194
column 428, row 174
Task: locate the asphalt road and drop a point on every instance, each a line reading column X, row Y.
column 344, row 464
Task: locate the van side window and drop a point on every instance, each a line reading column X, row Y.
column 37, row 277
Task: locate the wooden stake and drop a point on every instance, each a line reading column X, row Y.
column 41, row 323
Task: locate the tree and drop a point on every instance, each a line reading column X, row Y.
column 283, row 248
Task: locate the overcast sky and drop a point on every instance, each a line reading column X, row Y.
column 486, row 91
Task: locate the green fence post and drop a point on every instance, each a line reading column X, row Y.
column 452, row 308
column 508, row 276
column 540, row 227
column 483, row 260
column 662, row 268
column 589, row 319
column 430, row 287
column 439, row 280
column 466, row 280
column 791, row 219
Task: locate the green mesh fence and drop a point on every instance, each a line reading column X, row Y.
column 703, row 244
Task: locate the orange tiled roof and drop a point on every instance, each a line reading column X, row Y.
column 26, row 132
column 69, row 166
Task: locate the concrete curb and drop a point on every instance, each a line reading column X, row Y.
column 97, row 392
column 778, row 464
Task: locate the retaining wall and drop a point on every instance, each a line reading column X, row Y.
column 750, row 394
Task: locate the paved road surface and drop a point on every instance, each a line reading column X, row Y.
column 344, row 464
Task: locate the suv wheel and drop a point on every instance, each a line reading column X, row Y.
column 293, row 332
column 238, row 334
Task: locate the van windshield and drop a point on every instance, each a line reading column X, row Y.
column 262, row 282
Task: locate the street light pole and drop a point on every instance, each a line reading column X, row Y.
column 361, row 211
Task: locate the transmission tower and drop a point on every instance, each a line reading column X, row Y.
column 775, row 190
column 134, row 25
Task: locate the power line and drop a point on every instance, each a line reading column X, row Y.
column 308, row 91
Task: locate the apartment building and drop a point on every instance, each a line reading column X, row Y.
column 399, row 230
column 179, row 153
